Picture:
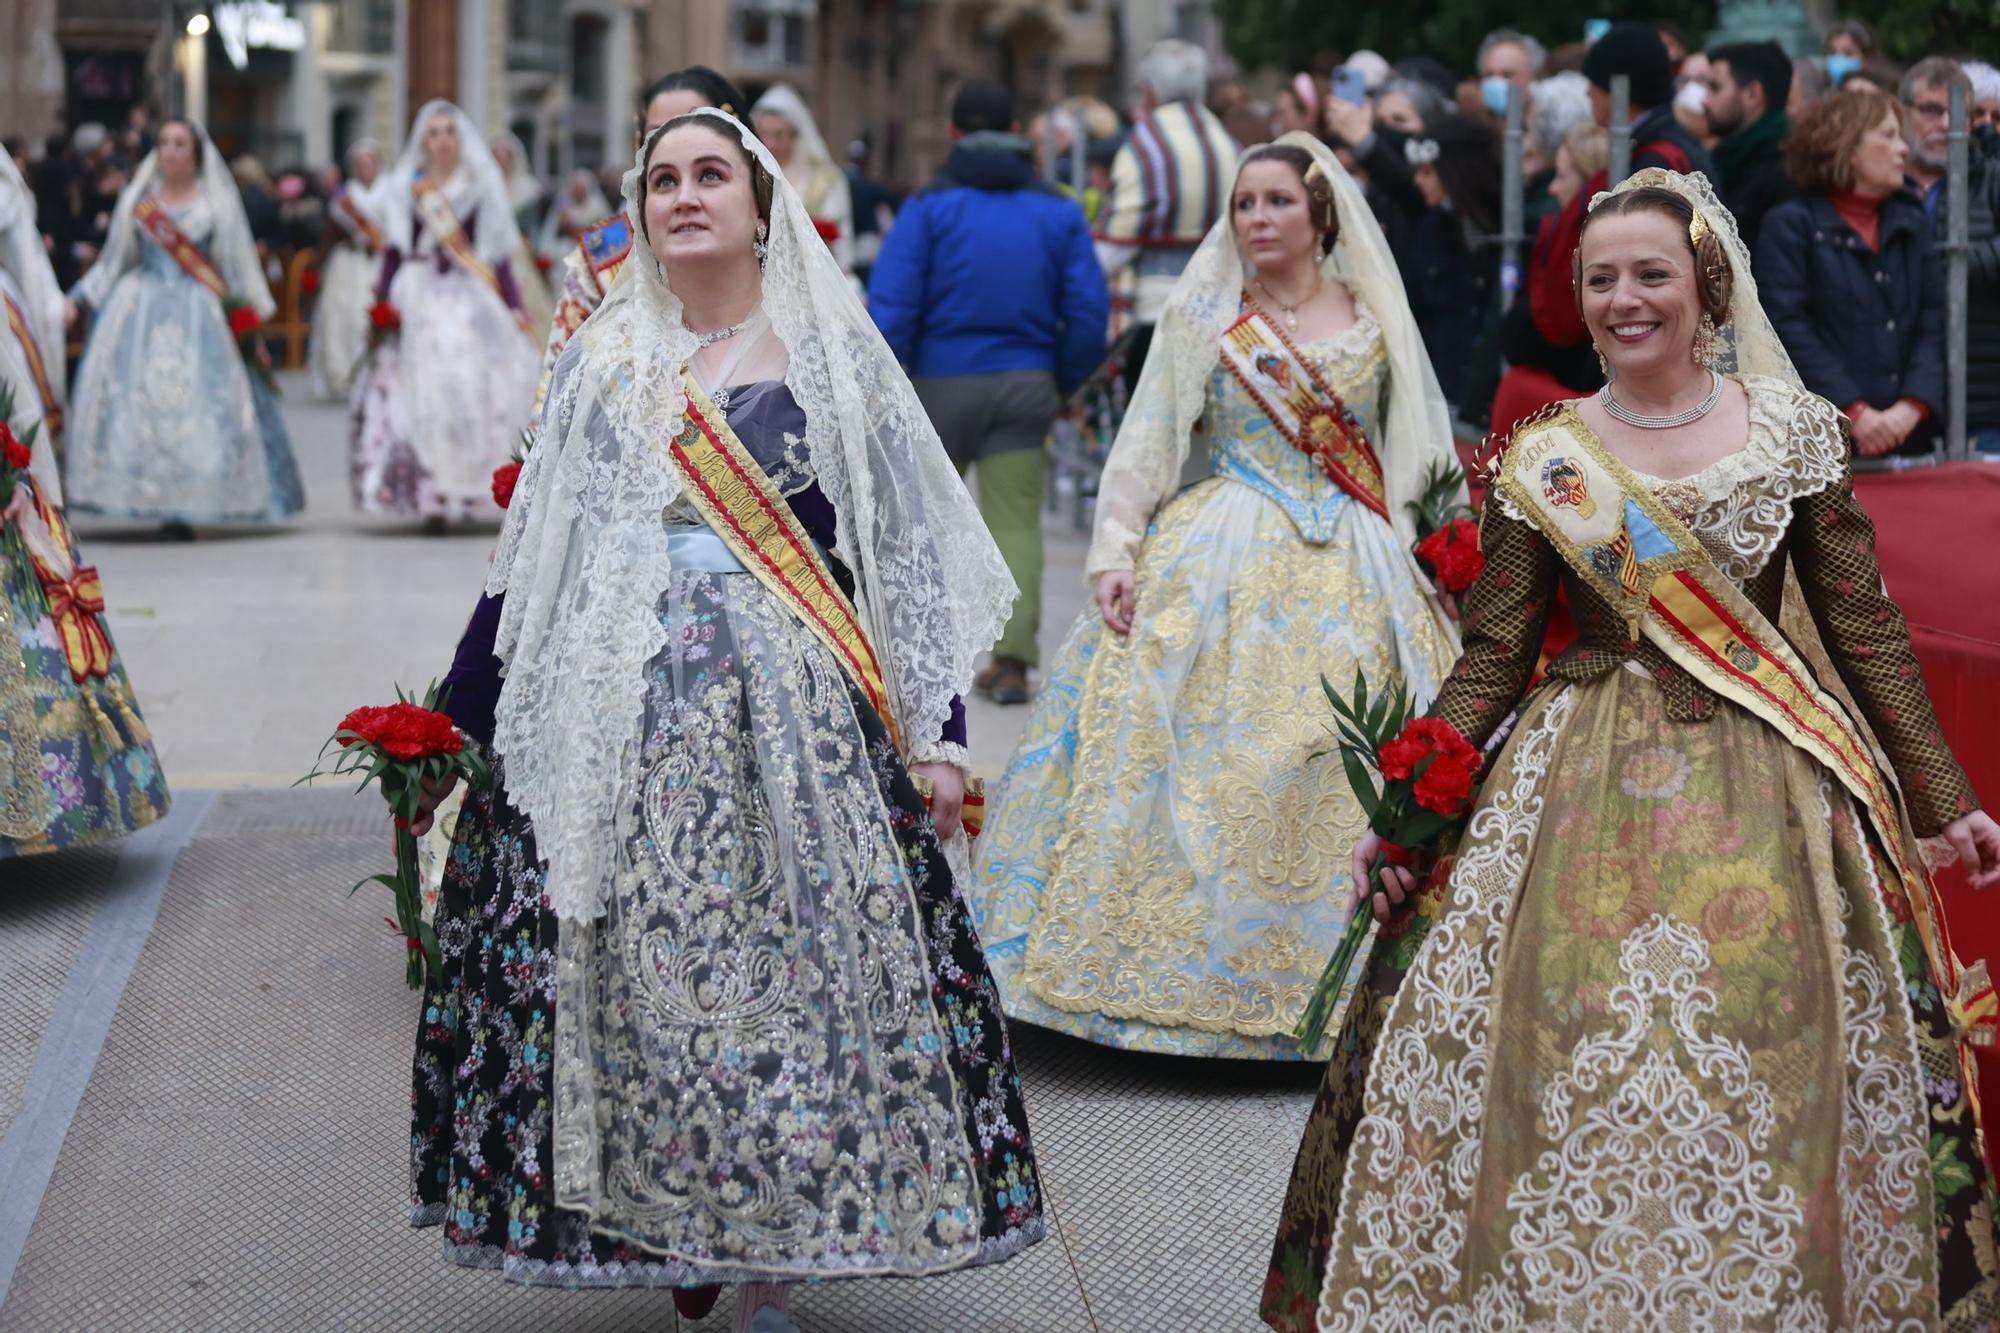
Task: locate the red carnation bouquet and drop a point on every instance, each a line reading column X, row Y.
column 384, row 322
column 15, row 452
column 828, row 229
column 400, row 747
column 508, row 475
column 1428, row 774
column 309, row 282
column 246, row 325
column 1447, row 531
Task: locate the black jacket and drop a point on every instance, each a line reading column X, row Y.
column 1757, row 185
column 1860, row 326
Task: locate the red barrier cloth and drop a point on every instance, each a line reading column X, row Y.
column 1938, row 537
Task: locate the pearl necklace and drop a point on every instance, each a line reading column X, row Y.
column 714, row 336
column 1291, row 311
column 1644, row 421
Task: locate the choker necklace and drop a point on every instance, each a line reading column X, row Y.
column 1647, row 422
column 714, row 336
column 1291, row 311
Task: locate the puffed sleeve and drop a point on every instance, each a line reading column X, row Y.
column 1501, row 624
column 1833, row 549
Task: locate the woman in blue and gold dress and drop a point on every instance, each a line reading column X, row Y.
column 168, row 421
column 1162, row 866
column 76, row 761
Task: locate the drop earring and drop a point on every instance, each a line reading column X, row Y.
column 758, row 247
column 1707, row 343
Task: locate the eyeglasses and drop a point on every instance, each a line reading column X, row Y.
column 1930, row 110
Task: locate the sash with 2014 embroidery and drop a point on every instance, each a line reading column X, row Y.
column 1304, row 407
column 737, row 500
column 1617, row 537
column 162, row 228
column 358, row 221
column 434, row 207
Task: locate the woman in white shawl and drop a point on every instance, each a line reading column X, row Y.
column 172, row 419
column 1164, row 864
column 789, row 131
column 350, row 261
column 442, row 405
column 525, row 192
column 736, row 602
column 76, row 762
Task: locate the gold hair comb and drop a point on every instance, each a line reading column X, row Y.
column 1697, row 228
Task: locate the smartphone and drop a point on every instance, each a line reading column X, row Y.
column 1349, row 85
column 1594, row 29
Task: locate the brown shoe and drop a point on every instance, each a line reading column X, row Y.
column 1005, row 682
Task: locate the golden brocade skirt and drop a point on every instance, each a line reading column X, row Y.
column 1164, row 862
column 1669, row 1056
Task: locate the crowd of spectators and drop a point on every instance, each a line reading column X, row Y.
column 1845, row 228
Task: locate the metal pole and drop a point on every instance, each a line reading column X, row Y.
column 1957, row 183
column 1513, row 188
column 1621, row 128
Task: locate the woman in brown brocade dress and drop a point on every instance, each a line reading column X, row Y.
column 1675, row 1039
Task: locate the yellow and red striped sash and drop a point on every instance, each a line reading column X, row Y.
column 439, row 220
column 17, row 320
column 736, row 499
column 1304, row 407
column 1614, row 533
column 364, row 226
column 151, row 215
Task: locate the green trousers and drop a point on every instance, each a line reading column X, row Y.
column 1011, row 487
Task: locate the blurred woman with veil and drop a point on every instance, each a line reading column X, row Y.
column 711, row 1008
column 442, row 404
column 1163, row 866
column 76, row 760
column 527, row 195
column 1685, row 1043
column 788, row 129
column 350, row 261
column 174, row 418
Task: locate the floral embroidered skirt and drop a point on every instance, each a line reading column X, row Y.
column 1663, row 1050
column 76, row 759
column 1165, row 862
column 779, row 1054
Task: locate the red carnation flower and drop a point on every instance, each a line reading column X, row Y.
column 402, row 731
column 544, row 263
column 1453, row 555
column 18, row 454
column 385, row 316
column 244, row 320
column 505, row 478
column 309, row 281
column 828, row 229
column 1445, row 786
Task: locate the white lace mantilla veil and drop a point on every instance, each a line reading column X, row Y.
column 1154, row 439
column 24, row 259
column 583, row 556
column 230, row 248
column 781, row 99
column 476, row 184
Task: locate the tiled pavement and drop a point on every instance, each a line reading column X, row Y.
column 203, row 1112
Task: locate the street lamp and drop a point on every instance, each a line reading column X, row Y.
column 198, row 25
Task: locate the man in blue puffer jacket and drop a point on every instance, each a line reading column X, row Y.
column 989, row 292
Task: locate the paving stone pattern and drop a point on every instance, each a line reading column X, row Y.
column 239, row 1158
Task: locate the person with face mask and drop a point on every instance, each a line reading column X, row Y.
column 1749, row 84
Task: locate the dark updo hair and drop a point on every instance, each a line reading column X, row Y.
column 1319, row 190
column 194, row 137
column 761, row 185
column 1713, row 278
column 713, row 88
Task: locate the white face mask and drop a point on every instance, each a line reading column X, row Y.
column 1691, row 97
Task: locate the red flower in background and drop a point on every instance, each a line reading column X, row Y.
column 544, row 263
column 385, row 317
column 309, row 281
column 828, row 229
column 244, row 320
column 403, row 731
column 505, row 478
column 18, row 454
column 1453, row 555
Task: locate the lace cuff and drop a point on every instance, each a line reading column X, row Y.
column 942, row 752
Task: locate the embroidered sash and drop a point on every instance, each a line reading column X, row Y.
column 736, row 499
column 605, row 247
column 359, row 222
column 1304, row 407
column 435, row 209
column 1629, row 547
column 17, row 320
column 151, row 215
